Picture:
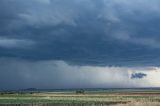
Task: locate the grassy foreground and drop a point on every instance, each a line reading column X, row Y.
column 116, row 98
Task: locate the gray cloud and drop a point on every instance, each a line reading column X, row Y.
column 15, row 43
column 125, row 36
column 46, row 16
column 17, row 73
column 44, row 1
column 41, row 13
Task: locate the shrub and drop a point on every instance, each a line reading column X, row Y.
column 80, row 91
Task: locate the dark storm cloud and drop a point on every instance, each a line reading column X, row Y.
column 79, row 43
column 103, row 32
column 138, row 75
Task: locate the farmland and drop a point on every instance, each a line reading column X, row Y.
column 100, row 97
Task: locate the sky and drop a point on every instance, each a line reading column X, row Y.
column 58, row 44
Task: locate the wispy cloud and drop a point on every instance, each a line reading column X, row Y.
column 41, row 15
column 15, row 43
column 44, row 1
column 129, row 38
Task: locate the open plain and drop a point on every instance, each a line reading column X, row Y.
column 96, row 97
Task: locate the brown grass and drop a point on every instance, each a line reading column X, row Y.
column 140, row 104
column 122, row 98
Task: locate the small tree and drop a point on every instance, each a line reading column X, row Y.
column 80, row 91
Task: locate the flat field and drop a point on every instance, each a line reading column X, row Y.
column 118, row 97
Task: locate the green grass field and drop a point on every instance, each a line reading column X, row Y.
column 104, row 98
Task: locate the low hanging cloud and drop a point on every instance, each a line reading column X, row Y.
column 138, row 75
column 17, row 73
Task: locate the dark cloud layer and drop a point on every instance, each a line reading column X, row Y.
column 103, row 32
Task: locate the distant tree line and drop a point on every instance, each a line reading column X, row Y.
column 9, row 93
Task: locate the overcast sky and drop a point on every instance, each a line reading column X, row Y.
column 79, row 43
